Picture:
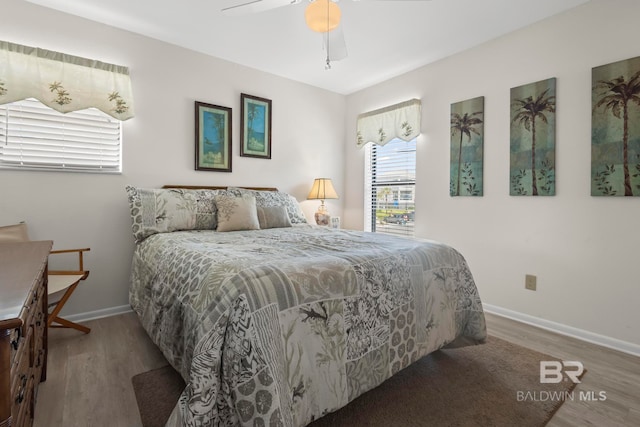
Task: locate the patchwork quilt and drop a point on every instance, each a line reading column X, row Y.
column 278, row 327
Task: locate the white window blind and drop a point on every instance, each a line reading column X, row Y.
column 33, row 136
column 390, row 178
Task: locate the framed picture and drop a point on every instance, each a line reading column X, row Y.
column 615, row 129
column 533, row 139
column 467, row 140
column 255, row 127
column 213, row 137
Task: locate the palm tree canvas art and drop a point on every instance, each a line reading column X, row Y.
column 533, row 140
column 615, row 129
column 467, row 141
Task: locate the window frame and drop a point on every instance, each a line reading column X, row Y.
column 404, row 179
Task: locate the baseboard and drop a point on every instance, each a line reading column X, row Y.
column 98, row 314
column 570, row 331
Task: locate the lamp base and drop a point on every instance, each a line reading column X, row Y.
column 322, row 218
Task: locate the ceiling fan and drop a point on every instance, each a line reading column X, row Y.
column 322, row 16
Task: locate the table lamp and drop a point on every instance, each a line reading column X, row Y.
column 322, row 189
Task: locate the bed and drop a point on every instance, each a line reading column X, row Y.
column 282, row 324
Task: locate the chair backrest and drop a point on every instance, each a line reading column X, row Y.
column 14, row 233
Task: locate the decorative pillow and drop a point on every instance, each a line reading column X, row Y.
column 165, row 210
column 14, row 233
column 276, row 198
column 237, row 213
column 273, row 217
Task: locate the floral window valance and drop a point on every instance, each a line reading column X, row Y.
column 395, row 121
column 64, row 82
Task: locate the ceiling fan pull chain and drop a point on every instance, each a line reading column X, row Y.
column 327, row 66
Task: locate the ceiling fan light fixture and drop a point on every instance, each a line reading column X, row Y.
column 322, row 16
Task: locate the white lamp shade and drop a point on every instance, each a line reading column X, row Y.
column 322, row 189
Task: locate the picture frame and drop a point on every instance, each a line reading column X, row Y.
column 533, row 139
column 466, row 168
column 335, row 222
column 213, row 137
column 615, row 130
column 255, row 127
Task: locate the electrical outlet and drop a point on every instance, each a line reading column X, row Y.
column 530, row 282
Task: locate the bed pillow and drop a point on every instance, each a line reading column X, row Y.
column 276, row 198
column 273, row 217
column 236, row 212
column 166, row 210
column 14, row 233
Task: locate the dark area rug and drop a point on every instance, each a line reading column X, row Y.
column 157, row 392
column 495, row 384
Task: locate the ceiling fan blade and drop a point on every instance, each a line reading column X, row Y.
column 242, row 7
column 391, row 0
column 335, row 45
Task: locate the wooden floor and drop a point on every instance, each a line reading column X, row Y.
column 89, row 376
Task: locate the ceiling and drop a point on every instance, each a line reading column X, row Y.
column 384, row 38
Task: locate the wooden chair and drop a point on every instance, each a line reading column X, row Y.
column 61, row 283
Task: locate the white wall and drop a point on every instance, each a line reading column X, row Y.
column 583, row 249
column 79, row 209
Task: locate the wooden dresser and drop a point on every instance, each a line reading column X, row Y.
column 23, row 329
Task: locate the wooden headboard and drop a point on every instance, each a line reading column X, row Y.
column 208, row 187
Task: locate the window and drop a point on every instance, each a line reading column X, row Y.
column 33, row 136
column 390, row 178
